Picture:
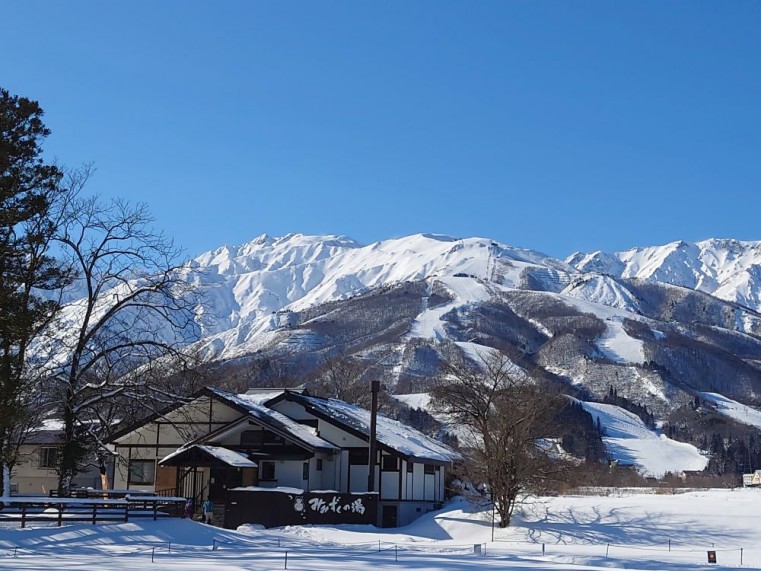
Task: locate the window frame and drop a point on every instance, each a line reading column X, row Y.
column 142, row 481
column 44, row 461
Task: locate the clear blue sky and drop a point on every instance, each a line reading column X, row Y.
column 557, row 126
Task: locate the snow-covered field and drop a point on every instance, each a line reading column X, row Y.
column 625, row 531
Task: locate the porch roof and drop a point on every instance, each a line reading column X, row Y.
column 202, row 455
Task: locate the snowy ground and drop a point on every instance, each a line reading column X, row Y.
column 626, row 531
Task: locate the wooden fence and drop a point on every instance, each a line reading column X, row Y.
column 90, row 510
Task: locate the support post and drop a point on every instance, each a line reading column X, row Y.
column 492, row 519
column 375, row 389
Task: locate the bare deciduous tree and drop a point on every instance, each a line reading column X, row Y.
column 502, row 415
column 135, row 314
column 347, row 378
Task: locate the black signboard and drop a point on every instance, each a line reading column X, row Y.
column 278, row 508
column 712, row 557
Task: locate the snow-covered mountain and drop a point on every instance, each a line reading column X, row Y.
column 251, row 290
column 322, row 295
column 727, row 269
column 663, row 326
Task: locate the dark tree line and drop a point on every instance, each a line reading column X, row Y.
column 581, row 436
column 641, row 411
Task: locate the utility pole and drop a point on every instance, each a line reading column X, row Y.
column 374, row 388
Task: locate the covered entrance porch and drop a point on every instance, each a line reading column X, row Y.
column 203, row 471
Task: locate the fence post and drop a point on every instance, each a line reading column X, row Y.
column 379, row 546
column 213, row 544
column 396, row 554
column 170, row 547
column 155, row 510
column 23, row 515
column 741, row 556
column 126, row 512
column 607, row 549
column 286, row 560
column 153, row 553
column 542, row 549
column 60, row 514
column 669, row 544
column 94, row 513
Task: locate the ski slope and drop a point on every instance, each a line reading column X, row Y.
column 733, row 409
column 629, row 441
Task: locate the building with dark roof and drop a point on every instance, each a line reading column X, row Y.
column 238, row 449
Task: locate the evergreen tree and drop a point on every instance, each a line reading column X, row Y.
column 29, row 192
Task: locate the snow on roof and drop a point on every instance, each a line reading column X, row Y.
column 229, row 457
column 262, row 396
column 276, row 420
column 391, row 433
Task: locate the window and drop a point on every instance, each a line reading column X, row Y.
column 409, row 466
column 48, row 457
column 305, row 471
column 389, row 463
column 14, row 487
column 259, row 437
column 319, row 464
column 266, row 471
column 429, row 469
column 359, row 456
column 142, row 472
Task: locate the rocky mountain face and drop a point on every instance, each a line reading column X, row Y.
column 659, row 324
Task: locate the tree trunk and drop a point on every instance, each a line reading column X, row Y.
column 103, row 473
column 67, row 463
column 5, row 480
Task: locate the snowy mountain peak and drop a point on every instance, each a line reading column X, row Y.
column 727, row 268
column 247, row 284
